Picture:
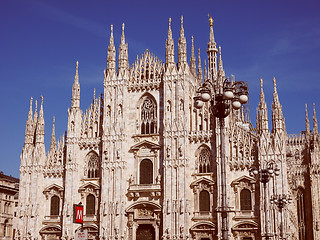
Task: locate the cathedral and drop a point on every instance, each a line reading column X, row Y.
column 147, row 163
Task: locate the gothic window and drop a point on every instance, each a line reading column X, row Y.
column 204, row 161
column 301, row 214
column 148, row 116
column 90, row 209
column 245, row 200
column 54, row 206
column 146, row 171
column 93, row 165
column 204, row 201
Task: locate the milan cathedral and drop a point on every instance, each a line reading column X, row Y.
column 145, row 163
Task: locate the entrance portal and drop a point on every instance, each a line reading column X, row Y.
column 145, row 232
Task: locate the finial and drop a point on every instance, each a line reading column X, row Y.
column 111, row 27
column 41, row 99
column 210, row 20
column 54, row 120
column 274, row 83
column 181, row 20
column 170, row 22
column 122, row 26
column 261, row 83
column 36, row 105
column 31, row 99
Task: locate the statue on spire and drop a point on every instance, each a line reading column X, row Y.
column 210, row 20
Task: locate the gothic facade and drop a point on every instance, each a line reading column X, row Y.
column 145, row 163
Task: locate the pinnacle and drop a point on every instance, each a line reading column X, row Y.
column 123, row 36
column 76, row 77
column 169, row 30
column 307, row 120
column 315, row 121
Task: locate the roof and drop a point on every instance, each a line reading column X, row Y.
column 9, row 178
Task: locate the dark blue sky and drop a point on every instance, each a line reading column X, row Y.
column 40, row 41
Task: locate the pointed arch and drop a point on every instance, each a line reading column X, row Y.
column 147, row 106
column 92, row 168
column 204, row 159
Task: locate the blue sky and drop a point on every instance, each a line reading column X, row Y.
column 40, row 41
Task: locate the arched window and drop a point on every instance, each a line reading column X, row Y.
column 93, row 166
column 91, row 204
column 54, row 206
column 204, row 201
column 245, row 200
column 301, row 214
column 204, row 161
column 146, row 171
column 148, row 116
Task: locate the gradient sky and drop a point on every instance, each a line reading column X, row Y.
column 40, row 41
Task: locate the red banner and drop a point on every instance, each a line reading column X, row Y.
column 77, row 213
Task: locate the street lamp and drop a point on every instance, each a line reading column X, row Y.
column 231, row 94
column 281, row 201
column 265, row 175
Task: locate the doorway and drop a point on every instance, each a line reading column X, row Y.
column 145, row 232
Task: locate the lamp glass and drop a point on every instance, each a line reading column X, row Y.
column 198, row 103
column 243, row 98
column 228, row 94
column 236, row 104
column 205, row 96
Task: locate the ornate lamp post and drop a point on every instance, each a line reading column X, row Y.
column 265, row 175
column 281, row 201
column 231, row 94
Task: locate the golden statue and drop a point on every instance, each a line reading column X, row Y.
column 210, row 20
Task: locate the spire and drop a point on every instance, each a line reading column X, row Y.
column 111, row 59
column 35, row 117
column 221, row 73
column 193, row 67
column 277, row 116
column 29, row 126
column 75, row 99
column 123, row 53
column 40, row 125
column 262, row 117
column 205, row 71
column 169, row 48
column 199, row 75
column 182, row 47
column 307, row 120
column 220, row 60
column 315, row 121
column 53, row 145
column 211, row 38
column 212, row 53
column 123, row 39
